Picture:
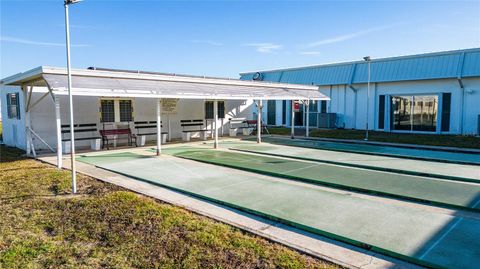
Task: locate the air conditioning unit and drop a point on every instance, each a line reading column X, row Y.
column 327, row 120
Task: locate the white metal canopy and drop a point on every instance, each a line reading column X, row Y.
column 128, row 84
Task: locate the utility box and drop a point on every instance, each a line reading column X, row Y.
column 327, row 120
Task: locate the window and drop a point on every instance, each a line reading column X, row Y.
column 284, row 112
column 414, row 113
column 126, row 110
column 13, row 106
column 107, row 111
column 209, row 109
column 323, row 106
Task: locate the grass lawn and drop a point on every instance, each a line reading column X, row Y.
column 420, row 139
column 43, row 226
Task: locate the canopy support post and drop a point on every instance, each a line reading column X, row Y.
column 159, row 126
column 292, row 119
column 215, row 123
column 259, row 121
column 307, row 119
column 59, row 131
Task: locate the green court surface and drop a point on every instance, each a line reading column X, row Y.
column 423, row 236
column 452, row 171
column 421, row 154
column 436, row 191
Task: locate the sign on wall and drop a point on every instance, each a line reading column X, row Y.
column 169, row 105
column 296, row 106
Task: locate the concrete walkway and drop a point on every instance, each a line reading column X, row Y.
column 313, row 244
column 416, row 234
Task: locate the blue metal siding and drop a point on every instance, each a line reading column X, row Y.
column 417, row 67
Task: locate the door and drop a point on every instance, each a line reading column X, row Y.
column 299, row 116
column 271, row 112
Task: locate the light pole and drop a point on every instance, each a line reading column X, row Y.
column 368, row 60
column 69, row 75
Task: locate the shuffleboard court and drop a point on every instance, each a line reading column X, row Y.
column 417, row 235
column 437, row 191
column 421, row 154
column 453, row 171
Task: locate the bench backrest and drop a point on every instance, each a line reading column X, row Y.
column 139, row 125
column 79, row 128
column 122, row 131
column 192, row 124
column 237, row 121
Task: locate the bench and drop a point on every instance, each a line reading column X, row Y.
column 194, row 127
column 112, row 135
column 145, row 128
column 253, row 124
column 83, row 131
column 239, row 123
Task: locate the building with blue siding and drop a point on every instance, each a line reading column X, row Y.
column 428, row 93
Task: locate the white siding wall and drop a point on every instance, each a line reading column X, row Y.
column 13, row 129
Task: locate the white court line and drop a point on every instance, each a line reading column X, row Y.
column 441, row 238
column 301, row 168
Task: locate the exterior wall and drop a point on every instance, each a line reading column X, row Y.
column 87, row 110
column 351, row 105
column 13, row 129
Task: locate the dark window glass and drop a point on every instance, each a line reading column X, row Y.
column 107, row 111
column 13, row 106
column 284, row 112
column 446, row 107
column 381, row 112
column 126, row 110
column 271, row 112
column 209, row 110
column 323, row 106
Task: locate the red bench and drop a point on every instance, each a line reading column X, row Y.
column 253, row 124
column 107, row 136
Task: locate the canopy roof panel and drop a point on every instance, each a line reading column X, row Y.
column 129, row 84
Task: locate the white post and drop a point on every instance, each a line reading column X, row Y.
column 307, row 129
column 59, row 131
column 215, row 119
column 292, row 119
column 70, row 99
column 159, row 127
column 259, row 121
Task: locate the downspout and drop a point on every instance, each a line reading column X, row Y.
column 462, row 109
column 462, row 87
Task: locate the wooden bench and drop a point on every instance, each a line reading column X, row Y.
column 83, row 131
column 190, row 127
column 253, row 124
column 145, row 128
column 112, row 135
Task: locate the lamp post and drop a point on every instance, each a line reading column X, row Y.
column 69, row 75
column 368, row 60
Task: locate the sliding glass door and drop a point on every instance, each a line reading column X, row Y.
column 414, row 113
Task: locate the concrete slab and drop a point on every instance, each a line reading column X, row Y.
column 419, row 154
column 316, row 245
column 442, row 192
column 413, row 234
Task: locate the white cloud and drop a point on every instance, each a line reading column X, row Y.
column 310, row 53
column 345, row 37
column 36, row 43
column 265, row 47
column 207, row 42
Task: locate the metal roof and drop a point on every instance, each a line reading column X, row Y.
column 134, row 84
column 448, row 64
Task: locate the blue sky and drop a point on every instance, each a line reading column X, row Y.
column 223, row 38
